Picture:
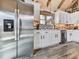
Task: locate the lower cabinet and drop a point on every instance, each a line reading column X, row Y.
column 73, row 35
column 45, row 38
column 37, row 39
column 56, row 36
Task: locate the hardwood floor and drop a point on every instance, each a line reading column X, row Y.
column 69, row 50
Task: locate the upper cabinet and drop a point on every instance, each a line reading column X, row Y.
column 61, row 17
column 67, row 18
column 75, row 17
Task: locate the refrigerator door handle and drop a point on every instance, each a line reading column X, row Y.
column 19, row 28
column 17, row 25
column 41, row 36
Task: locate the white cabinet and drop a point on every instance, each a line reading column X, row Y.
column 37, row 41
column 73, row 35
column 75, row 17
column 62, row 17
column 45, row 38
column 69, row 35
column 28, row 1
column 55, row 36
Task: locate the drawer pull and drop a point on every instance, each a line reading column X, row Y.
column 56, row 35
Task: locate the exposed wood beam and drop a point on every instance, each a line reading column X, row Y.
column 73, row 2
column 49, row 1
column 55, row 4
column 61, row 3
column 78, row 4
column 67, row 4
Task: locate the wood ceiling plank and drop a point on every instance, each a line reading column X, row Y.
column 67, row 4
column 49, row 1
column 78, row 4
column 73, row 2
column 10, row 5
column 55, row 4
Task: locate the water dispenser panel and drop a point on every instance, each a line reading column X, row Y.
column 8, row 25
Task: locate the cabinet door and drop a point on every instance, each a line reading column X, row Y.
column 56, row 37
column 75, row 36
column 43, row 40
column 7, row 36
column 37, row 38
column 47, row 38
column 51, row 37
column 25, row 37
column 69, row 35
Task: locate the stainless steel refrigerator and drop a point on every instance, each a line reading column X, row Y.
column 16, row 35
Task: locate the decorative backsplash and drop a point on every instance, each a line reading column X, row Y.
column 67, row 26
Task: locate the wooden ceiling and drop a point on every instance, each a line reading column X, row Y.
column 11, row 5
column 67, row 4
column 54, row 5
column 49, row 5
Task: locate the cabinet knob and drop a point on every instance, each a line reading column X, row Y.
column 46, row 32
column 56, row 35
column 70, row 34
column 66, row 21
column 41, row 36
column 38, row 32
